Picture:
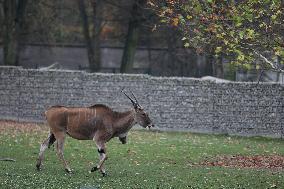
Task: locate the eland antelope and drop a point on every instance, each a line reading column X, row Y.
column 98, row 123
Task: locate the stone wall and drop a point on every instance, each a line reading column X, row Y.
column 179, row 104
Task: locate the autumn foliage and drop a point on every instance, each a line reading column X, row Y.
column 241, row 31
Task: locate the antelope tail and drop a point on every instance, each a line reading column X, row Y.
column 44, row 114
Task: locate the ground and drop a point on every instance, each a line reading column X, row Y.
column 149, row 160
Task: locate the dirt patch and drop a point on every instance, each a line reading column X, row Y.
column 257, row 161
column 21, row 127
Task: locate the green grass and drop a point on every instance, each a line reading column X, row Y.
column 148, row 160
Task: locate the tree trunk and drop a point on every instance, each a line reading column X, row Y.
column 173, row 65
column 278, row 66
column 1, row 19
column 132, row 37
column 218, row 67
column 97, row 21
column 13, row 23
column 208, row 69
column 89, row 44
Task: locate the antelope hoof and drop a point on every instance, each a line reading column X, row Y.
column 123, row 140
column 94, row 169
column 68, row 170
column 38, row 166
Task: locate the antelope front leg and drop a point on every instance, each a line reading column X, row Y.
column 103, row 157
column 122, row 138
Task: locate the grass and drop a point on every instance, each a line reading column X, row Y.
column 149, row 160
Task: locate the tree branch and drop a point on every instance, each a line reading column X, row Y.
column 273, row 66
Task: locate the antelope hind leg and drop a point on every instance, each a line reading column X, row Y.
column 45, row 144
column 60, row 137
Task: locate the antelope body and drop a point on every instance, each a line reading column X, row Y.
column 98, row 122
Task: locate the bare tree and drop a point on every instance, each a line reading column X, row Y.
column 97, row 25
column 92, row 41
column 1, row 19
column 132, row 36
column 14, row 12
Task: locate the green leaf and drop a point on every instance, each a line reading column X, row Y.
column 186, row 45
column 239, row 24
column 247, row 66
column 218, row 50
column 241, row 34
column 273, row 17
column 240, row 55
column 189, row 17
column 164, row 21
column 225, row 42
column 250, row 33
column 232, row 33
column 279, row 51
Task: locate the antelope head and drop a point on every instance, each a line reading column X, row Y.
column 141, row 116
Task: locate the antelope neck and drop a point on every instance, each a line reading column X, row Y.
column 124, row 121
